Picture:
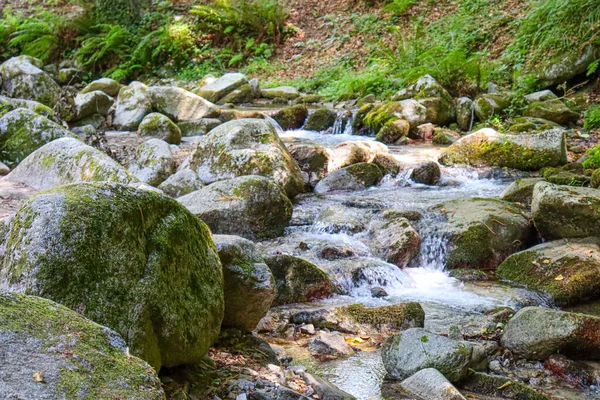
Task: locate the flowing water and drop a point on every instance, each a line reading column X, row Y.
column 343, row 220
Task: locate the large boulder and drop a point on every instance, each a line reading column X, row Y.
column 551, row 110
column 439, row 104
column 133, row 105
column 394, row 131
column 321, row 120
column 7, row 104
column 410, row 110
column 245, row 147
column 355, row 177
column 565, row 211
column 51, row 352
column 223, row 86
column 430, row 384
column 298, row 280
column 566, row 271
column 106, row 85
column 22, row 132
column 249, row 283
column 251, row 206
column 160, row 126
column 526, row 152
column 65, row 161
column 21, row 78
column 184, row 181
column 397, row 241
column 536, row 333
column 565, row 65
column 481, row 233
column 153, row 162
column 291, row 117
column 133, row 260
column 91, row 103
column 520, row 191
column 408, row 352
column 179, row 104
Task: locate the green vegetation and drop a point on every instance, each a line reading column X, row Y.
column 592, row 118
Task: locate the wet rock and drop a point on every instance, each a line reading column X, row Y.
column 393, row 131
column 249, row 283
column 250, row 206
column 388, row 164
column 320, row 120
column 282, row 92
column 218, row 89
column 65, row 161
column 427, row 173
column 464, row 113
column 91, row 103
column 23, row 131
column 312, row 159
column 291, row 117
column 325, row 389
column 245, row 147
column 355, row 177
column 330, row 344
column 106, row 85
column 483, row 232
column 22, row 78
column 552, row 110
column 415, row 349
column 309, row 99
column 536, row 333
column 348, row 153
column 487, row 147
column 184, row 181
column 153, row 162
column 468, row 275
column 298, row 280
column 429, row 384
column 133, row 104
column 397, row 241
column 134, row 260
column 48, row 350
column 503, row 387
column 489, row 104
column 567, row 271
column 378, row 292
column 335, row 253
column 161, row 127
column 521, row 191
column 198, row 127
column 180, row 105
column 565, row 212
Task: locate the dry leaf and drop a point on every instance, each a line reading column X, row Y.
column 38, row 377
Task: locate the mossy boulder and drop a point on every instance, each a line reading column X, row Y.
column 565, row 212
column 490, row 104
column 415, row 349
column 22, row 78
column 481, row 233
column 250, row 206
column 427, row 173
column 309, row 99
column 198, row 127
column 567, row 271
column 551, row 110
column 160, row 126
column 282, row 92
column 133, row 260
column 65, row 161
column 359, row 176
column 393, row 131
column 439, row 105
column 487, row 147
column 220, row 88
column 567, row 178
column 359, row 125
column 184, row 181
column 291, row 117
column 133, row 104
column 153, row 162
column 245, row 147
column 73, row 356
column 179, row 104
column 7, row 104
column 106, row 85
column 388, row 164
column 320, row 120
column 565, row 65
column 595, row 179
column 409, row 110
column 92, row 103
column 520, row 191
column 397, row 241
column 298, row 281
column 22, row 132
column 444, row 136
column 244, row 94
column 530, row 125
column 249, row 283
column 464, row 113
column 536, row 333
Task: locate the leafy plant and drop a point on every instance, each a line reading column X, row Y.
column 104, row 48
column 592, row 118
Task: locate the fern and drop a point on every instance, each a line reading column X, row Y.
column 41, row 36
column 106, row 47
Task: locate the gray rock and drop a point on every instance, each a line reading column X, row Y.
column 543, row 95
column 551, row 110
column 250, row 206
column 414, row 112
column 65, row 161
column 133, row 105
column 70, row 76
column 397, row 241
column 489, row 104
column 536, row 333
column 566, row 65
column 428, row 173
column 45, row 348
column 325, row 389
column 184, row 181
column 22, row 132
column 359, row 176
column 308, row 329
column 180, row 105
column 161, row 127
column 464, row 113
column 198, row 127
column 153, row 162
column 223, row 86
column 415, row 349
column 565, row 211
column 106, row 85
column 348, row 153
column 439, row 105
column 321, row 120
column 430, row 384
column 330, row 344
column 8, row 104
column 92, row 103
column 520, row 191
column 249, row 283
column 245, row 147
column 285, row 92
column 22, row 78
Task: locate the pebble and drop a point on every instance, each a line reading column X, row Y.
column 308, row 329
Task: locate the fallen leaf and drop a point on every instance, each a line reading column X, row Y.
column 559, row 278
column 38, row 377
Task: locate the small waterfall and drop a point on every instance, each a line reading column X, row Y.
column 275, row 124
column 343, row 123
column 434, row 244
